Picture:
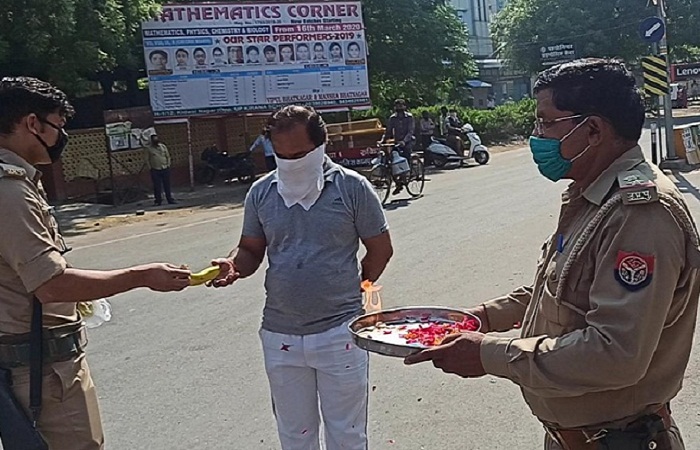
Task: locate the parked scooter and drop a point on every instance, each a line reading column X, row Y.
column 442, row 154
column 239, row 166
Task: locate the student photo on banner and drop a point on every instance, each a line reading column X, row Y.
column 270, row 53
column 200, row 57
column 182, row 59
column 286, row 54
column 235, row 54
column 158, row 62
column 252, row 54
column 336, row 52
column 320, row 52
column 218, row 55
column 354, row 54
column 303, row 53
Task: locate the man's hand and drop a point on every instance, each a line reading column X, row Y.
column 480, row 312
column 229, row 273
column 459, row 354
column 165, row 277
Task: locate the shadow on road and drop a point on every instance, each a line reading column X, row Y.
column 401, row 203
column 685, row 186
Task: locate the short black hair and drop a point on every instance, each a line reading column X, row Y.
column 181, row 50
column 597, row 87
column 199, row 49
column 221, row 50
column 250, row 49
column 289, row 116
column 269, row 48
column 399, row 102
column 21, row 96
column 158, row 52
column 303, row 45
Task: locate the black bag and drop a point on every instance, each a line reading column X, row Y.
column 647, row 434
column 17, row 431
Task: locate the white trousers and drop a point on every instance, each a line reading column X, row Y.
column 326, row 369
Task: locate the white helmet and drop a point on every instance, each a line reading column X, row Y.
column 467, row 128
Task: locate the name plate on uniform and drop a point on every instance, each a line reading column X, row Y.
column 636, row 188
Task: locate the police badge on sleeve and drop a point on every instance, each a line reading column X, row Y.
column 633, row 270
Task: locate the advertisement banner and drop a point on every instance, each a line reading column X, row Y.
column 129, row 128
column 685, row 72
column 253, row 57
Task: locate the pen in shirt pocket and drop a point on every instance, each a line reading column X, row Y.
column 560, row 243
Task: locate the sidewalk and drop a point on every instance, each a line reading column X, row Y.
column 79, row 218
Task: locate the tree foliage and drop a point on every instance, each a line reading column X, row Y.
column 596, row 28
column 417, row 50
column 68, row 41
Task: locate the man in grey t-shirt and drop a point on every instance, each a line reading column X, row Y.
column 310, row 216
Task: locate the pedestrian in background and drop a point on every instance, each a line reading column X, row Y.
column 264, row 141
column 427, row 131
column 158, row 158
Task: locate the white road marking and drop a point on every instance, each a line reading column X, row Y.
column 151, row 233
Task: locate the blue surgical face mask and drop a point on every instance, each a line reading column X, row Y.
column 547, row 155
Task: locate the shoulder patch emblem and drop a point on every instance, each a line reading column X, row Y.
column 634, row 271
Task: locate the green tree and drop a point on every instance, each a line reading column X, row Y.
column 417, row 50
column 596, row 28
column 70, row 41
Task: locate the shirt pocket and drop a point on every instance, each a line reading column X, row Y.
column 562, row 311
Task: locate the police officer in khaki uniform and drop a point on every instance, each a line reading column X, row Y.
column 607, row 325
column 32, row 116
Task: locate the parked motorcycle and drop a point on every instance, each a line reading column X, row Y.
column 442, row 154
column 239, row 166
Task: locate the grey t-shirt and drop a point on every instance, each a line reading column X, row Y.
column 313, row 278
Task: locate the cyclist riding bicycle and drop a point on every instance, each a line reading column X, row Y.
column 400, row 128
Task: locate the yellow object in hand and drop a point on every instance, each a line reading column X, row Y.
column 205, row 275
column 86, row 309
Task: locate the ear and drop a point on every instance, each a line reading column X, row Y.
column 33, row 123
column 597, row 131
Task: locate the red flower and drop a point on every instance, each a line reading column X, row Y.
column 430, row 334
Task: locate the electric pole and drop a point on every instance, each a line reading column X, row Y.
column 668, row 107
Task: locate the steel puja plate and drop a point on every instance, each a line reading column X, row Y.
column 366, row 329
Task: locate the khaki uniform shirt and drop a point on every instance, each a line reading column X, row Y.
column 30, row 249
column 158, row 156
column 615, row 343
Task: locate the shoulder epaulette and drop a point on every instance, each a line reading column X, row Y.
column 10, row 171
column 636, row 188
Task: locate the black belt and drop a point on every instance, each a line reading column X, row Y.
column 59, row 344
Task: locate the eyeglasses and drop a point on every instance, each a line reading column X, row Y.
column 541, row 125
column 52, row 125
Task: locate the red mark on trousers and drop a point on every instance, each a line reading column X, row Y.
column 347, row 346
column 285, row 347
column 304, row 431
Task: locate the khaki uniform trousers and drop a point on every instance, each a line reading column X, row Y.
column 70, row 414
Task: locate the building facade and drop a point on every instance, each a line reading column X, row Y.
column 478, row 16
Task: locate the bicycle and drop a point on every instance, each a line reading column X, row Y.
column 382, row 175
